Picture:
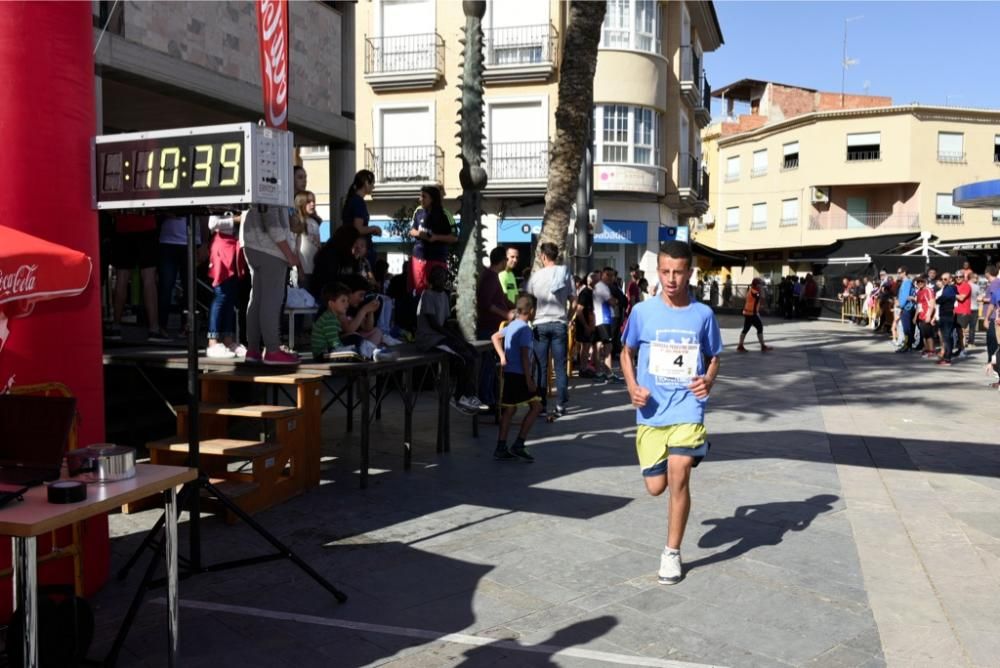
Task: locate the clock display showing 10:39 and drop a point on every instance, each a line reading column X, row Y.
column 172, row 167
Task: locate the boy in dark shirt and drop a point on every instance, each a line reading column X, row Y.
column 515, row 347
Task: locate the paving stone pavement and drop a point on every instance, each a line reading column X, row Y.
column 847, row 516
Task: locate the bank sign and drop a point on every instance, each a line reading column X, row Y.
column 514, row 231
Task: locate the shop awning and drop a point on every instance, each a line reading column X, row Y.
column 858, row 250
column 34, row 270
column 980, row 195
column 718, row 257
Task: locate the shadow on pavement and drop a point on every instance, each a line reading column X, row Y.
column 510, row 652
column 759, row 525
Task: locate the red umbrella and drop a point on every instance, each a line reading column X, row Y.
column 33, row 270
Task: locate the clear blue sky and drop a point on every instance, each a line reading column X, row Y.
column 926, row 52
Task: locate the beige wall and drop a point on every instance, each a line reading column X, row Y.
column 907, row 178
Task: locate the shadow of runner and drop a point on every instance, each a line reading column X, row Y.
column 759, row 525
column 504, row 651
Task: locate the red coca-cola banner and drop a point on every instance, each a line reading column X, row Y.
column 272, row 33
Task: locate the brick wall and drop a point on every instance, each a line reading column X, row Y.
column 222, row 37
column 788, row 102
column 746, row 122
column 831, row 101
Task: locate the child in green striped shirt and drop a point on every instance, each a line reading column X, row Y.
column 326, row 330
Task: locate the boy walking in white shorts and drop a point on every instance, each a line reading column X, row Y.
column 670, row 359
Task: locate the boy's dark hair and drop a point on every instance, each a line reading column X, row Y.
column 611, row 269
column 549, row 250
column 991, row 269
column 438, row 274
column 498, row 255
column 678, row 250
column 525, row 303
column 580, row 280
column 354, row 282
column 332, row 292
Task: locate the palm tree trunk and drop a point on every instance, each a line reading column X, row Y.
column 573, row 112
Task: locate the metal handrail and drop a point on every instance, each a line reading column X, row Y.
column 789, row 222
column 949, row 219
column 690, row 173
column 517, row 161
column 790, row 163
column 519, row 45
column 690, row 66
column 405, row 164
column 875, row 221
column 861, row 156
column 952, row 157
column 404, row 53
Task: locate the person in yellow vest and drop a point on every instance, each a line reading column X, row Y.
column 751, row 316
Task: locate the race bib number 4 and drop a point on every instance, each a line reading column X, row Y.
column 675, row 361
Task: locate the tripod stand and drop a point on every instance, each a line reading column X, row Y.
column 191, row 494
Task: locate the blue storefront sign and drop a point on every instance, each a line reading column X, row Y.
column 679, row 233
column 521, row 230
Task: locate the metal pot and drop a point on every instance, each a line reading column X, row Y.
column 102, row 462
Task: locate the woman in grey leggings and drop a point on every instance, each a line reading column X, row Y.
column 267, row 243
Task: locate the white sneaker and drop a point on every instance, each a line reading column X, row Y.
column 239, row 350
column 219, row 351
column 963, row 353
column 385, row 355
column 390, row 341
column 670, row 567
column 471, row 403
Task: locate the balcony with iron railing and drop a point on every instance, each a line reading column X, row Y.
column 703, row 110
column 864, row 154
column 951, row 157
column 691, row 76
column 517, row 168
column 884, row 221
column 519, row 53
column 404, row 61
column 949, row 219
column 689, row 183
column 400, row 168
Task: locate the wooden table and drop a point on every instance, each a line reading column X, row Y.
column 35, row 516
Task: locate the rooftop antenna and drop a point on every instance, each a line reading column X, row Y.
column 846, row 62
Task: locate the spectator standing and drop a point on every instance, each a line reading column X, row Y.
column 751, row 316
column 513, row 344
column 963, row 312
column 583, row 322
column 508, row 278
column 135, row 244
column 926, row 309
column 305, row 225
column 552, row 287
column 604, row 303
column 633, row 293
column 906, row 296
column 173, row 264
column 434, row 233
column 267, row 242
column 355, row 212
column 225, row 270
column 492, row 308
column 991, row 304
column 946, row 317
column 975, row 301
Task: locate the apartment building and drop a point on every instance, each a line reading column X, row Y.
column 651, row 101
column 166, row 65
column 805, row 169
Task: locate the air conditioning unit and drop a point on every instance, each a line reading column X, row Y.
column 821, row 194
column 708, row 220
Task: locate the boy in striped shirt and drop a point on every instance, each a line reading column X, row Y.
column 326, row 330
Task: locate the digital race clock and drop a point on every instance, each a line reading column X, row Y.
column 240, row 163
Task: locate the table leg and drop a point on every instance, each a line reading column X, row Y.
column 363, row 388
column 350, row 404
column 443, row 387
column 173, row 618
column 291, row 331
column 408, row 401
column 26, row 595
column 446, row 418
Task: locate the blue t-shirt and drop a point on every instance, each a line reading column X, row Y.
column 904, row 294
column 673, row 344
column 517, row 335
column 440, row 223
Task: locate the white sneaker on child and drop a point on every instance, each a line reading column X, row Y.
column 367, row 349
column 670, row 567
column 390, row 340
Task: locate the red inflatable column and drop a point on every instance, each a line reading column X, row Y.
column 47, row 119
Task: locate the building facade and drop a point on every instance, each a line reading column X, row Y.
column 172, row 65
column 651, row 100
column 799, row 173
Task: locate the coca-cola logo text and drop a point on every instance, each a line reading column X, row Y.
column 18, row 282
column 274, row 61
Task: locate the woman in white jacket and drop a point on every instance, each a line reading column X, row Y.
column 268, row 244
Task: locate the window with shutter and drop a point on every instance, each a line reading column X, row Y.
column 951, row 147
column 863, row 146
column 790, row 156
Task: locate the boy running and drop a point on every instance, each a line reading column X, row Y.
column 677, row 345
column 751, row 317
column 515, row 345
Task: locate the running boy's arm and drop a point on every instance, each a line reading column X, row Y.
column 702, row 385
column 638, row 394
column 497, row 340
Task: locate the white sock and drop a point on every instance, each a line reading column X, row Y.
column 670, row 550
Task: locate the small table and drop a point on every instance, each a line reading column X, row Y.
column 35, row 516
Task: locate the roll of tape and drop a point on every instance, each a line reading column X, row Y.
column 67, row 491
